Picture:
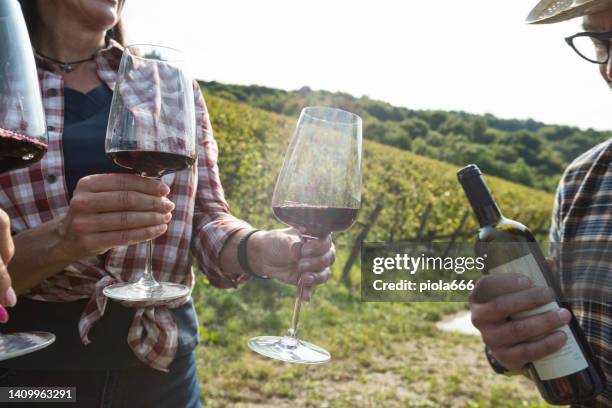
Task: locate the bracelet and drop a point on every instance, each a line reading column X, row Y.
column 242, row 255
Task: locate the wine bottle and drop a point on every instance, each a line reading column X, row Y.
column 572, row 374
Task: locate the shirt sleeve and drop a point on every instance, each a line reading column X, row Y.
column 213, row 224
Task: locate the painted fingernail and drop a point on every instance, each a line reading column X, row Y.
column 10, row 297
column 3, row 315
column 564, row 315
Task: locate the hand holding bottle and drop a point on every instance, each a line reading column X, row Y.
column 515, row 343
column 516, row 306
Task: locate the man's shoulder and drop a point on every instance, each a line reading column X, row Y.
column 583, row 163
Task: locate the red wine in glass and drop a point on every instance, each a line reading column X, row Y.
column 151, row 163
column 315, row 220
column 18, row 150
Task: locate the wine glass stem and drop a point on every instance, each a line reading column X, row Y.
column 295, row 320
column 147, row 279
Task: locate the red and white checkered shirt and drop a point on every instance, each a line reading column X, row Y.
column 200, row 225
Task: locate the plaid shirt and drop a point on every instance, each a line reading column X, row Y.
column 200, row 225
column 583, row 214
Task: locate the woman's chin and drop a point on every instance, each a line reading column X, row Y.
column 102, row 13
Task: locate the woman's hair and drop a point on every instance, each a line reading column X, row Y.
column 32, row 19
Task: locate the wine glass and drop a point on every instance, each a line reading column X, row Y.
column 23, row 132
column 151, row 130
column 317, row 192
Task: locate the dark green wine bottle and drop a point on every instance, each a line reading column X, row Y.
column 572, row 374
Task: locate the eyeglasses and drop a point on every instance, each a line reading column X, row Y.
column 592, row 46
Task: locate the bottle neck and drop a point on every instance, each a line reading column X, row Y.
column 488, row 214
column 478, row 194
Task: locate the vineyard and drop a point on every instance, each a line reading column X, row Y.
column 384, row 354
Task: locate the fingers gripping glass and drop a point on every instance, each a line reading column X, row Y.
column 592, row 46
column 317, row 192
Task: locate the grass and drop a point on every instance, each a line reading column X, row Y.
column 384, row 354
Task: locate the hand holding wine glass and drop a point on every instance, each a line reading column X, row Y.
column 280, row 254
column 112, row 210
column 318, row 192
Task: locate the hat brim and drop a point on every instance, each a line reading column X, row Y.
column 547, row 12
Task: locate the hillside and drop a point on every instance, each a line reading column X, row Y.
column 526, row 151
column 384, row 354
column 252, row 143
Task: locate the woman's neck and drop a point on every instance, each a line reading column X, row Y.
column 68, row 41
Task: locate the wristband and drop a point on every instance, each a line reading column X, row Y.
column 243, row 258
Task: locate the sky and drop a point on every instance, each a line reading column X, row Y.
column 472, row 55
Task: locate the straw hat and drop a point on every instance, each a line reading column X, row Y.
column 554, row 11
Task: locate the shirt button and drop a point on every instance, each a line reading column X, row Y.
column 51, row 178
column 52, row 92
column 50, row 128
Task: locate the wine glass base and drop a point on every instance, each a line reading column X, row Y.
column 289, row 349
column 17, row 344
column 136, row 292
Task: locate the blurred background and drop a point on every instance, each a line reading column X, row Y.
column 439, row 85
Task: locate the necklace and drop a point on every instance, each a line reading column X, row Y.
column 66, row 66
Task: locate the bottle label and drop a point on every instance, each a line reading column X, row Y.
column 569, row 359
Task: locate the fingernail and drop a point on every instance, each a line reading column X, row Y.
column 3, row 315
column 304, row 266
column 164, row 189
column 10, row 298
column 167, row 217
column 560, row 335
column 168, row 205
column 564, row 315
column 306, row 250
column 524, row 282
column 307, row 280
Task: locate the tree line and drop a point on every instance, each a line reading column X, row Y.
column 525, row 151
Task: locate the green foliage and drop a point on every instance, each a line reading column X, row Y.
column 495, row 144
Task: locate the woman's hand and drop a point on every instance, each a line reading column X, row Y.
column 280, row 254
column 7, row 249
column 111, row 210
